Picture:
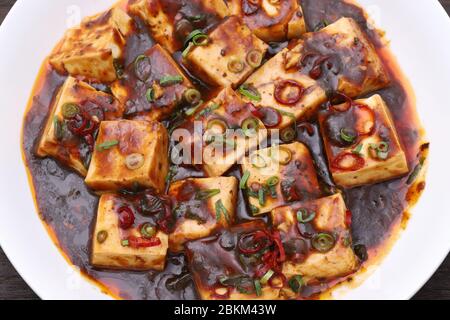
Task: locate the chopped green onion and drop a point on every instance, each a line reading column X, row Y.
column 250, row 92
column 381, row 150
column 296, row 283
column 254, row 209
column 267, row 277
column 192, row 35
column 70, row 110
column 208, row 110
column 258, row 161
column 58, row 132
column 150, row 95
column 244, row 180
column 358, row 149
column 192, row 96
column 193, row 110
column 107, row 145
column 102, row 236
column 250, row 126
column 273, row 181
column 206, row 194
column 125, row 243
column 200, row 40
column 254, row 58
column 303, row 216
column 169, row 80
column 262, row 197
column 220, row 209
column 323, row 242
column 258, row 290
column 187, row 50
column 347, row 137
column 148, row 231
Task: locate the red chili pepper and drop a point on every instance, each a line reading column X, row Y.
column 259, row 240
column 139, row 242
column 270, row 117
column 365, row 119
column 277, row 240
column 316, row 70
column 126, row 217
column 343, row 107
column 348, row 218
column 291, row 99
column 356, row 162
column 255, row 111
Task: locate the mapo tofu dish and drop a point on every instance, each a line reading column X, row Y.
column 224, row 149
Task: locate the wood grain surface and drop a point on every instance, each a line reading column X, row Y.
column 13, row 287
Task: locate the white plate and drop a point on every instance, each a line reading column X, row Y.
column 419, row 35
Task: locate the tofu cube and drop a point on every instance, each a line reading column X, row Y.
column 162, row 18
column 280, row 175
column 217, row 270
column 361, row 143
column 58, row 141
column 316, row 261
column 271, row 21
column 201, row 206
column 347, row 60
column 226, row 111
column 114, row 248
column 223, row 61
column 129, row 153
column 91, row 49
column 142, row 92
column 274, row 80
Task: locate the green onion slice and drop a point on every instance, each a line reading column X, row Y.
column 125, row 243
column 192, row 35
column 305, row 216
column 262, row 197
column 206, row 194
column 273, row 181
column 70, row 110
column 267, row 277
column 250, row 92
column 220, row 209
column 347, row 137
column 169, row 80
column 187, row 50
column 258, row 161
column 323, row 242
column 358, row 149
column 58, row 131
column 258, row 290
column 150, row 95
column 244, row 180
column 250, row 126
column 193, row 110
column 107, row 145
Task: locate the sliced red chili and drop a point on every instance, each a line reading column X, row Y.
column 140, row 242
column 365, row 119
column 279, row 246
column 348, row 218
column 126, row 217
column 270, row 117
column 348, row 161
column 255, row 111
column 254, row 242
column 316, row 69
column 296, row 91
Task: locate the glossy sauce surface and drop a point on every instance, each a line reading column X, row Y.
column 68, row 208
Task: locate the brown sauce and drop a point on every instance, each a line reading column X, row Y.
column 68, row 207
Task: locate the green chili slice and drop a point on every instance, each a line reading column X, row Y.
column 250, row 126
column 148, row 231
column 200, row 40
column 254, row 58
column 236, row 65
column 323, row 242
column 273, row 181
column 288, row 134
column 267, row 277
column 70, row 110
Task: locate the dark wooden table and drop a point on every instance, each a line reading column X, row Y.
column 13, row 287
